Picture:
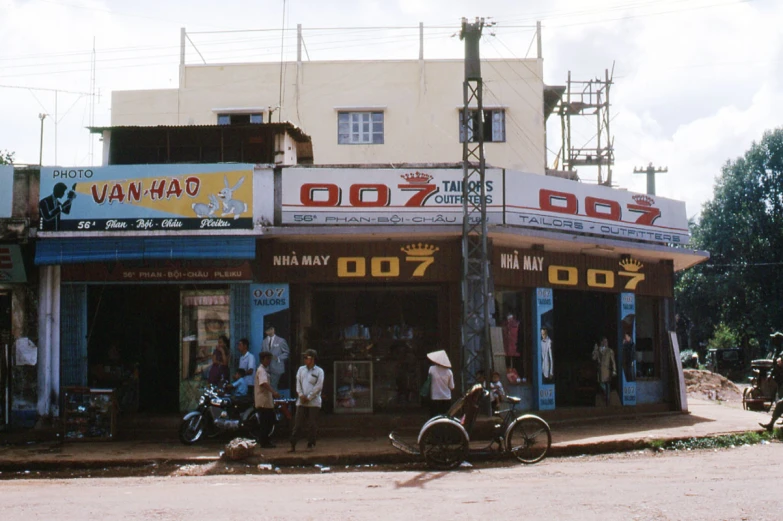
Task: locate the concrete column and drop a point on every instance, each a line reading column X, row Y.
column 54, row 345
column 44, row 337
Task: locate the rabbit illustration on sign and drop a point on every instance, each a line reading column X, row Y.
column 206, row 210
column 232, row 206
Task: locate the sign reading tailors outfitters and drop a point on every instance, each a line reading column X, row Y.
column 367, row 262
column 324, row 196
column 146, row 197
column 552, row 203
column 534, row 268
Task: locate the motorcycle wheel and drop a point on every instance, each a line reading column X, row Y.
column 191, row 429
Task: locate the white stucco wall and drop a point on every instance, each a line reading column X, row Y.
column 420, row 101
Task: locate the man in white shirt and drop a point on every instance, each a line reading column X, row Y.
column 247, row 363
column 279, row 349
column 309, row 384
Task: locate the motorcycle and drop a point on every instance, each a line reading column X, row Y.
column 219, row 412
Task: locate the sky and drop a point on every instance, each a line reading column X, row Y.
column 696, row 82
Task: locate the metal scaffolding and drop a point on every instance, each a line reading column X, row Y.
column 476, row 294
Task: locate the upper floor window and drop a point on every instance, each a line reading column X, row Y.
column 494, row 126
column 240, row 119
column 360, row 128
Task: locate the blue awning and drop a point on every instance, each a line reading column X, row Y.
column 103, row 249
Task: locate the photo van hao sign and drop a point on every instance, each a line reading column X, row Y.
column 382, row 262
column 538, row 201
column 533, row 268
column 146, row 197
column 324, row 196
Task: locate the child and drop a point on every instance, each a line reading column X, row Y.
column 497, row 394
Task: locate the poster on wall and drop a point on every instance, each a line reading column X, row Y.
column 627, row 355
column 146, row 197
column 270, row 330
column 11, row 264
column 355, row 196
column 545, row 364
column 6, row 194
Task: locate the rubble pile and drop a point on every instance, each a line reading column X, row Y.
column 711, row 386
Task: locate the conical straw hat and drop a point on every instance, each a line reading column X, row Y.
column 440, row 358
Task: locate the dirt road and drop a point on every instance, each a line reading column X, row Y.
column 731, row 484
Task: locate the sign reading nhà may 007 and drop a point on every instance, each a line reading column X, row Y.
column 146, row 197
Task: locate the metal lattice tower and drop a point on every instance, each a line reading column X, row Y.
column 476, row 352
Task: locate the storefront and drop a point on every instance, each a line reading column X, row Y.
column 12, row 276
column 148, row 268
column 372, row 310
column 560, row 306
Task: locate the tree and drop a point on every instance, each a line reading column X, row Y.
column 6, row 157
column 741, row 285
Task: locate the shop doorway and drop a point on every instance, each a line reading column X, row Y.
column 133, row 345
column 581, row 319
column 5, row 360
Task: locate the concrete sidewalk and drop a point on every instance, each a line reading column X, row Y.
column 583, row 436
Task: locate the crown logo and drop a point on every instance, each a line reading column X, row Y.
column 417, row 178
column 643, row 200
column 630, row 264
column 420, row 250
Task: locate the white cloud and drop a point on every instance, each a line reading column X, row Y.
column 696, row 80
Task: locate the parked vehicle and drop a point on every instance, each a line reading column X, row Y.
column 761, row 394
column 444, row 441
column 728, row 361
column 219, row 412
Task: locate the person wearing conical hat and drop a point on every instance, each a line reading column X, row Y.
column 441, row 382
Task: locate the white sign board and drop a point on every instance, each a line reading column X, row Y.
column 6, row 190
column 355, row 196
column 552, row 203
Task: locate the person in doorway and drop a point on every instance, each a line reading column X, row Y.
column 247, row 363
column 279, row 349
column 441, row 382
column 218, row 371
column 50, row 208
column 547, row 365
column 606, row 365
column 629, row 358
column 309, row 384
column 264, row 396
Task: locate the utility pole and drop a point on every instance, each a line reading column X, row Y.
column 40, row 146
column 651, row 171
column 476, row 292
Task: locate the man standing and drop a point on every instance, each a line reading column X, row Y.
column 279, row 349
column 264, row 400
column 247, row 363
column 309, row 384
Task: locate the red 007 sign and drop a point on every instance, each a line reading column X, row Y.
column 558, row 204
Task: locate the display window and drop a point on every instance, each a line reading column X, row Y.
column 391, row 328
column 513, row 318
column 648, row 351
column 205, row 354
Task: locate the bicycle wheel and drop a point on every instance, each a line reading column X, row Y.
column 443, row 445
column 529, row 439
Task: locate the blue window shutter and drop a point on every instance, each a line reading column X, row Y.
column 240, row 317
column 73, row 334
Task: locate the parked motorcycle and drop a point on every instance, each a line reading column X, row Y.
column 218, row 412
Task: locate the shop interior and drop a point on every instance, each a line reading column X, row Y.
column 372, row 344
column 133, row 345
column 581, row 319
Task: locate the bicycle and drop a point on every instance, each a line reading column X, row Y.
column 444, row 441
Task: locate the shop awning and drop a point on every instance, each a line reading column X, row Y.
column 82, row 249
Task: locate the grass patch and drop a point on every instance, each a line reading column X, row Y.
column 718, row 442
